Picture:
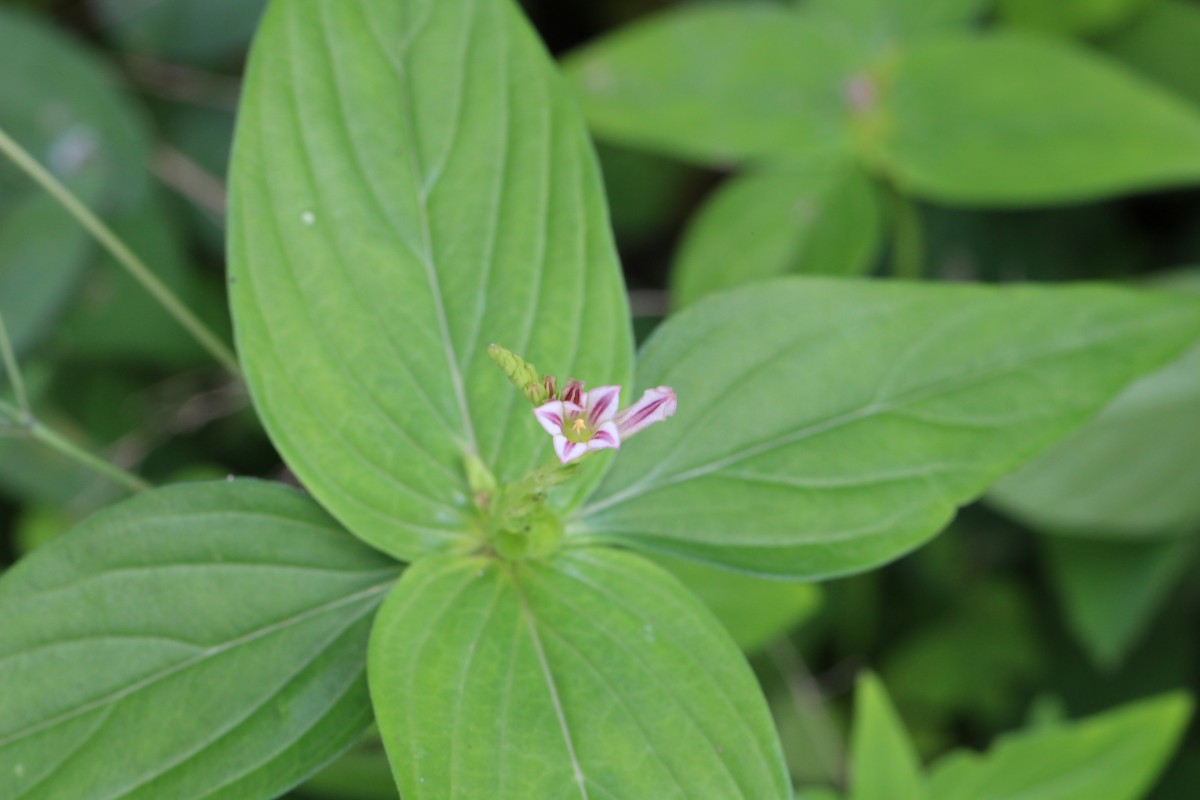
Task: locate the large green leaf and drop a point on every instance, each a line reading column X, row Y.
column 1161, row 44
column 410, row 183
column 593, row 675
column 1111, row 590
column 1114, row 756
column 204, row 640
column 819, row 220
column 1131, row 472
column 825, row 426
column 884, row 759
column 719, row 83
column 1014, row 118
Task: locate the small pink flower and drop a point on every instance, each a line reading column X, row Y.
column 581, row 421
column 584, row 421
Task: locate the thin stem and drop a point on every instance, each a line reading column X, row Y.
column 113, row 244
column 31, row 427
column 908, row 237
column 13, row 371
column 810, row 708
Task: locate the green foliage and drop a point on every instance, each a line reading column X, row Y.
column 1113, row 755
column 67, row 110
column 394, row 274
column 39, row 266
column 1015, row 119
column 413, row 184
column 64, row 108
column 1005, row 118
column 819, row 220
column 240, row 602
column 754, row 610
column 489, row 678
column 885, row 763
column 1111, row 590
column 887, row 22
column 720, row 83
column 951, row 387
column 1129, row 473
column 1161, row 44
column 1076, row 17
column 192, row 30
column 148, row 334
column 975, row 661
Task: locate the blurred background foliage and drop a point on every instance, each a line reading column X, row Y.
column 1016, row 140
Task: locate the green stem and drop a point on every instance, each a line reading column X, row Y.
column 908, row 238
column 118, row 249
column 810, row 709
column 13, row 371
column 31, row 427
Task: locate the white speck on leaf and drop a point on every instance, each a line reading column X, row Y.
column 308, row 218
column 73, row 150
column 648, row 632
column 19, row 770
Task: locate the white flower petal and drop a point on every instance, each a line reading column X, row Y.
column 605, row 437
column 602, row 405
column 552, row 416
column 568, row 451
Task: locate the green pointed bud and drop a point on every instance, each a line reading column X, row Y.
column 480, row 479
column 522, row 374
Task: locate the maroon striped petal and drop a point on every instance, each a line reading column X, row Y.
column 605, row 437
column 568, row 451
column 656, row 405
column 602, row 405
column 551, row 415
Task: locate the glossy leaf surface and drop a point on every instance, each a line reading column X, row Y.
column 591, row 675
column 825, row 427
column 412, row 183
column 204, row 640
